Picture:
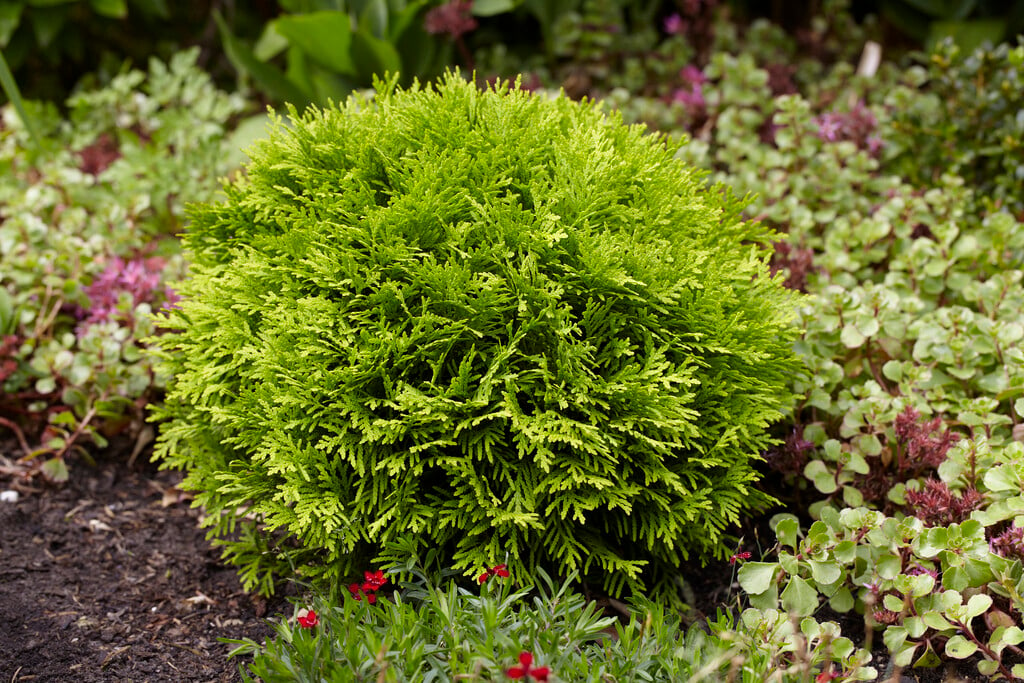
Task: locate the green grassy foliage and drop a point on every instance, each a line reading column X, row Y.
column 504, row 323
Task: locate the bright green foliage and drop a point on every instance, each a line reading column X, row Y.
column 505, row 323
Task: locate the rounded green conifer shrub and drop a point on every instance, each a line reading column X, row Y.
column 504, row 325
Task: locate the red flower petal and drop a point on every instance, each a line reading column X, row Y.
column 516, row 672
column 483, row 577
column 540, row 673
column 501, row 571
column 526, row 659
column 353, row 588
column 375, row 579
column 371, row 598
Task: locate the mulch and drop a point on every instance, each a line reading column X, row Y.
column 109, row 578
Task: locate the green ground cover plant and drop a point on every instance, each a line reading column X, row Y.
column 503, row 322
column 430, row 628
column 88, row 211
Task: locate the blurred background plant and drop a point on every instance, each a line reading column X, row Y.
column 52, row 44
column 331, row 47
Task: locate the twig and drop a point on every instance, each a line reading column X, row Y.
column 22, row 441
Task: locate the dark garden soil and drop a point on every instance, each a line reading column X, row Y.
column 109, row 578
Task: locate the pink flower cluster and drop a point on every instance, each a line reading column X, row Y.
column 454, row 17
column 691, row 95
column 857, row 125
column 139, row 277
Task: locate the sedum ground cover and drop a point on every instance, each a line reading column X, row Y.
column 899, row 471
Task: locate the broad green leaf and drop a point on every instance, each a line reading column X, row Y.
column 894, row 638
column 955, row 578
column 767, row 600
column 787, row 530
column 47, row 22
column 892, row 602
column 55, row 469
column 10, row 19
column 1013, row 635
column 851, row 337
column 936, row 621
column 269, row 78
column 8, row 321
column 970, row 35
column 374, row 18
column 922, row 584
column 958, row 647
column 842, row 601
column 1003, row 478
column 825, row 572
column 928, row 658
column 799, row 598
column 869, row 445
column 977, row 605
column 757, row 577
column 115, row 9
column 915, row 626
column 823, row 479
column 987, row 667
column 248, row 131
column 888, row 566
column 270, row 43
column 488, row 8
column 399, row 23
column 893, row 370
column 373, row 56
column 325, row 37
column 845, row 552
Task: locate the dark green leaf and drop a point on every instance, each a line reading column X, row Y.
column 374, row 57
column 267, row 77
column 488, row 8
column 374, row 18
column 47, row 22
column 10, row 19
column 325, row 37
column 115, row 9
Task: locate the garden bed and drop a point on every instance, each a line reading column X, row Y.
column 109, row 578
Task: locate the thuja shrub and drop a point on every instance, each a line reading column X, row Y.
column 506, row 324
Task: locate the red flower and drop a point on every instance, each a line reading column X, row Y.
column 739, row 556
column 374, row 581
column 499, row 570
column 358, row 592
column 526, row 670
column 309, row 619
